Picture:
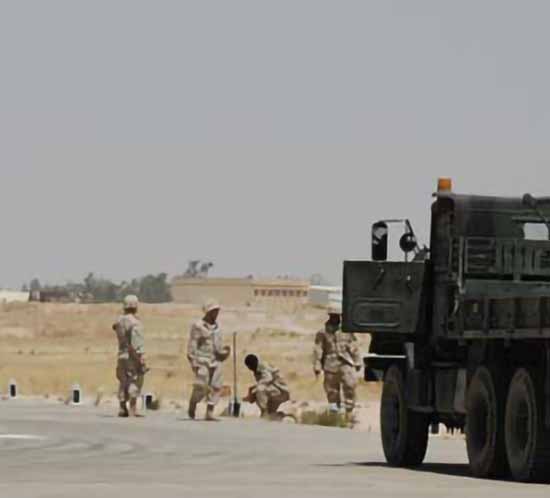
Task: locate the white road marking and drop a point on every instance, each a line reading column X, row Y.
column 20, row 436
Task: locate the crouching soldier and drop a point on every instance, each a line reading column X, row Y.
column 270, row 390
column 131, row 367
column 336, row 354
column 206, row 352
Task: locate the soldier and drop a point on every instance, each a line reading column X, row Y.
column 270, row 390
column 206, row 353
column 336, row 354
column 131, row 367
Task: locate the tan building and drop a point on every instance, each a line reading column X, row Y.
column 240, row 291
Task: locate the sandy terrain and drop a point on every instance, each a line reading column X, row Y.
column 47, row 348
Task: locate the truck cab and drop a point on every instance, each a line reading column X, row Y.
column 460, row 332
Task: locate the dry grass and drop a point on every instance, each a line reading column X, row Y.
column 49, row 347
column 324, row 418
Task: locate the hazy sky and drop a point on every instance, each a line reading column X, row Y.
column 264, row 135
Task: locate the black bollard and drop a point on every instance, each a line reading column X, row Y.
column 148, row 401
column 76, row 396
column 13, row 389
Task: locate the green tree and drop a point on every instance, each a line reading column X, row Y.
column 35, row 285
column 155, row 289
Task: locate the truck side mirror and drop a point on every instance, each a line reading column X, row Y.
column 380, row 241
column 408, row 243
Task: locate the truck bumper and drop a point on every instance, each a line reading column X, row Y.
column 376, row 365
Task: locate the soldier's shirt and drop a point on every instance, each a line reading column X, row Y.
column 268, row 376
column 129, row 331
column 205, row 344
column 334, row 348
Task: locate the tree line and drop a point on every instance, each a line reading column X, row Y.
column 149, row 289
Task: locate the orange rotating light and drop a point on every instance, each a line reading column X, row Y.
column 444, row 185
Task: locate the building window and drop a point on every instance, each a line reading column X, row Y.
column 291, row 293
column 269, row 293
column 277, row 293
column 284, row 293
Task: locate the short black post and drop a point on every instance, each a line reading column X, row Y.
column 148, row 401
column 76, row 394
column 13, row 389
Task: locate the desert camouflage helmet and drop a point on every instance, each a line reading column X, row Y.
column 334, row 309
column 210, row 305
column 130, row 302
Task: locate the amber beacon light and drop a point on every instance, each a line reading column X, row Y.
column 444, row 185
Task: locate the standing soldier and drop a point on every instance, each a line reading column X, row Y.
column 270, row 390
column 131, row 367
column 336, row 354
column 206, row 353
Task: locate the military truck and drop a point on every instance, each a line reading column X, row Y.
column 460, row 332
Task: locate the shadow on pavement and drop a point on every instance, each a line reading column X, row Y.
column 448, row 469
column 197, row 420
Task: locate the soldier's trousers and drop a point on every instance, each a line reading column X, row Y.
column 208, row 384
column 343, row 379
column 130, row 382
column 269, row 398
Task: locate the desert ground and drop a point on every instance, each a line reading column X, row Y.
column 49, row 347
column 53, row 449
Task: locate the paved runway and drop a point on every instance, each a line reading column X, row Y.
column 57, row 451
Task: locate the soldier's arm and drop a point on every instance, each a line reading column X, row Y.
column 221, row 351
column 318, row 353
column 218, row 341
column 192, row 345
column 137, row 340
column 355, row 351
column 266, row 376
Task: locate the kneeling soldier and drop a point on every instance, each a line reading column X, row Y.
column 270, row 390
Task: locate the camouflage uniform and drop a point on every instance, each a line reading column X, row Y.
column 337, row 354
column 270, row 391
column 205, row 352
column 129, row 372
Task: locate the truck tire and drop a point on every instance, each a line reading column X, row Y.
column 404, row 433
column 485, row 402
column 527, row 439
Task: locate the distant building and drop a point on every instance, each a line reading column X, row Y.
column 9, row 296
column 322, row 296
column 240, row 291
column 54, row 295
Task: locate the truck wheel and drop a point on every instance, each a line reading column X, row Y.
column 527, row 440
column 485, row 425
column 404, row 433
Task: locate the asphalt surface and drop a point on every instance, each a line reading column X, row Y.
column 59, row 451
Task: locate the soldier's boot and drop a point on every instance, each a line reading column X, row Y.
column 334, row 408
column 210, row 414
column 133, row 412
column 350, row 418
column 192, row 411
column 123, row 412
